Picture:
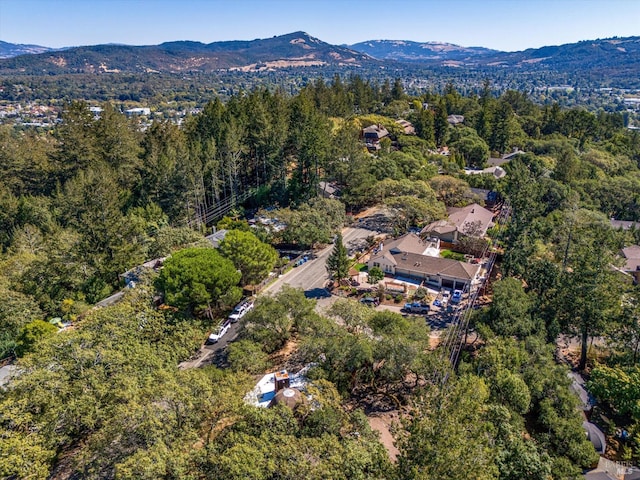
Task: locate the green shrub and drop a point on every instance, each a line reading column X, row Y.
column 420, row 294
column 31, row 334
column 375, row 275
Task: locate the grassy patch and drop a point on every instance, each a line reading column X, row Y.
column 452, row 255
column 361, row 267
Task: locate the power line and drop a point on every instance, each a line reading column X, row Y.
column 454, row 340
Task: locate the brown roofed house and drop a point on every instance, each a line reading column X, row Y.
column 472, row 221
column 372, row 136
column 407, row 126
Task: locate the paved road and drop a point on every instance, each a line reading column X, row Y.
column 212, row 354
column 312, row 275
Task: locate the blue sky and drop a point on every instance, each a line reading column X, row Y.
column 501, row 24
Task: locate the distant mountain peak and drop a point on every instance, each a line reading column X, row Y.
column 406, row 50
column 8, row 50
column 296, row 49
column 606, row 59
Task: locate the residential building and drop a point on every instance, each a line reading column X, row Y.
column 137, row 111
column 288, row 385
column 411, row 257
column 631, row 266
column 132, row 276
column 455, row 119
column 328, row 190
column 472, row 220
column 407, row 127
column 217, row 237
column 489, row 197
column 496, row 171
column 506, row 158
column 623, row 224
column 372, row 136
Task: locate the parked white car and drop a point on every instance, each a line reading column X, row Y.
column 240, row 311
column 457, row 296
column 219, row 333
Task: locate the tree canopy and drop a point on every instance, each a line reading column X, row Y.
column 199, row 279
column 253, row 258
column 338, row 260
column 96, row 197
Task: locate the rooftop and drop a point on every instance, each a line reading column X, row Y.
column 463, row 218
column 375, row 131
column 632, row 257
column 265, row 390
column 434, row 266
column 216, row 237
column 623, row 224
column 411, row 243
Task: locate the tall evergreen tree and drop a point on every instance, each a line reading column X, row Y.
column 77, row 141
column 501, row 127
column 441, row 124
column 338, row 261
column 397, row 91
column 118, row 144
column 424, row 123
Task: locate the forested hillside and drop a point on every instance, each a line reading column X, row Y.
column 293, row 49
column 8, row 50
column 97, row 196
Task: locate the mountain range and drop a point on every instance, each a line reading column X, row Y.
column 408, row 51
column 296, row 49
column 299, row 49
column 8, row 50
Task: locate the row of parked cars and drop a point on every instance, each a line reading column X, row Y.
column 419, row 307
column 444, row 298
column 238, row 312
column 442, row 301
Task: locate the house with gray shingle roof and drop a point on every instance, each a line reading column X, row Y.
column 631, row 266
column 497, row 162
column 472, row 220
column 624, row 224
column 411, row 257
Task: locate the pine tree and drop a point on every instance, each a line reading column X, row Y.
column 441, row 125
column 338, row 261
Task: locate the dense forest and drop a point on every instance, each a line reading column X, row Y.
column 81, row 205
column 164, row 91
